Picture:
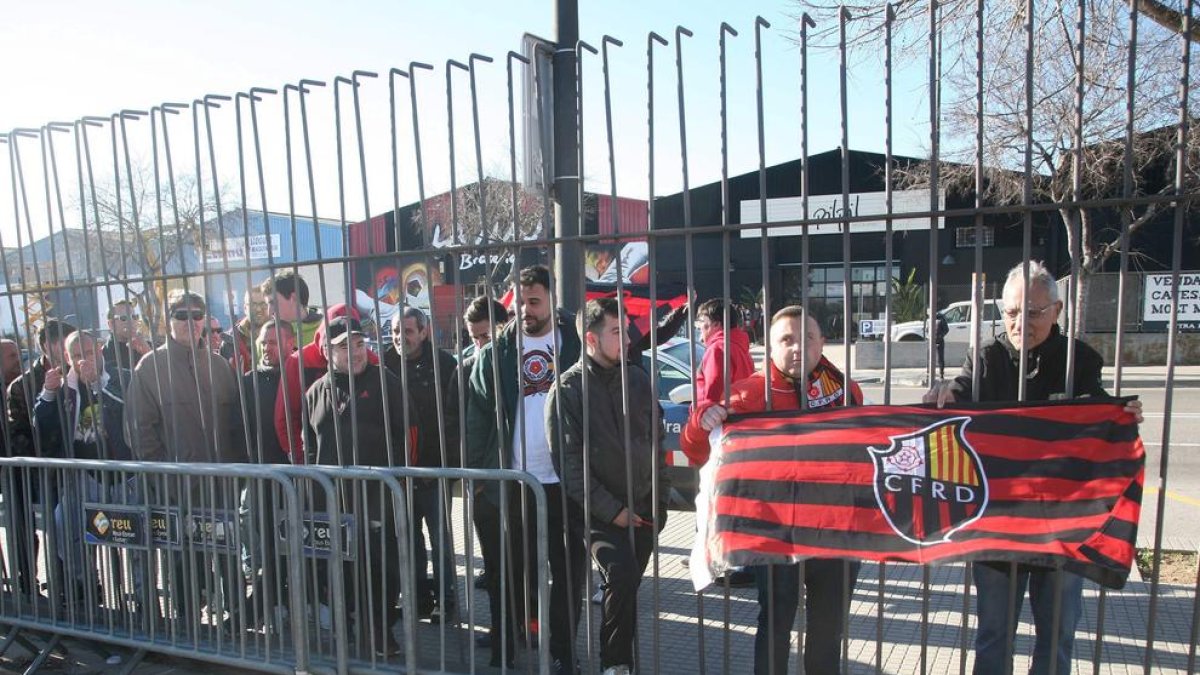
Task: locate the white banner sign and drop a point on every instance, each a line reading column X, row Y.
column 1159, row 293
column 821, row 207
column 235, row 249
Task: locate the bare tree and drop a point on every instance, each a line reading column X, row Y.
column 170, row 223
column 1066, row 142
column 487, row 217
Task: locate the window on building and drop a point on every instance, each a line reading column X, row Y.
column 964, row 237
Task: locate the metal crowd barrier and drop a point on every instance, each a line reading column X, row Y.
column 238, row 565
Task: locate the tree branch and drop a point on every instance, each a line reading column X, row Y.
column 1168, row 18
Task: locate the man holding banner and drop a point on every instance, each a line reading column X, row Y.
column 796, row 369
column 1030, row 323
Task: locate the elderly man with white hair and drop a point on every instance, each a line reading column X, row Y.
column 1030, row 324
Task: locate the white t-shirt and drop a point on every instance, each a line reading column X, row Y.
column 537, row 377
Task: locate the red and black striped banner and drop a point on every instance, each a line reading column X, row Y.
column 1048, row 484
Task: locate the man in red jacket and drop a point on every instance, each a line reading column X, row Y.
column 301, row 369
column 710, row 378
column 796, row 367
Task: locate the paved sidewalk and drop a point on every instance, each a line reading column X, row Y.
column 674, row 640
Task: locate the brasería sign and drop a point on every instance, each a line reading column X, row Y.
column 1156, row 307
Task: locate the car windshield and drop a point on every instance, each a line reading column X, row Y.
column 679, row 351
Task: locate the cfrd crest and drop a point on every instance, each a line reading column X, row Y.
column 929, row 484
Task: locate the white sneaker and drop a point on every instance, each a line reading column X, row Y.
column 617, row 670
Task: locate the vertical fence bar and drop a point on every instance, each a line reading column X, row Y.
column 1181, row 164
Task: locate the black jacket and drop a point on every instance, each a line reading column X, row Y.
column 260, row 415
column 332, row 443
column 608, row 458
column 119, row 357
column 999, row 378
column 19, row 414
column 419, row 378
column 102, row 440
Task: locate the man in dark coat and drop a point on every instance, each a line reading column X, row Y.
column 421, row 368
column 24, row 441
column 356, row 417
column 83, row 410
column 1030, row 324
column 619, row 494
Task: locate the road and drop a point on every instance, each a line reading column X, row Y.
column 1182, row 497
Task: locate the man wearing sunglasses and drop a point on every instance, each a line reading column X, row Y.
column 182, row 401
column 182, row 406
column 125, row 346
column 1030, row 323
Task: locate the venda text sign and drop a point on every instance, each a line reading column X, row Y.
column 1160, row 294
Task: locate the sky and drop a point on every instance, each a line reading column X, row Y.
column 64, row 60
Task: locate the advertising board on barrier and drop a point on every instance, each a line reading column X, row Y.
column 126, row 526
column 213, row 529
column 317, row 535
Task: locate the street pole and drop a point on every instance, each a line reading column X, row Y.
column 568, row 258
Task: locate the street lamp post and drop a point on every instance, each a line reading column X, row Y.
column 568, row 259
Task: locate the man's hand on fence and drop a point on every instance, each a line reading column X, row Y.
column 54, row 380
column 940, row 393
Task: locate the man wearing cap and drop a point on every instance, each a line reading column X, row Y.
column 356, row 418
column 300, row 369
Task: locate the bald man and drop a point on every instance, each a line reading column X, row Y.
column 796, row 369
column 82, row 409
column 10, row 361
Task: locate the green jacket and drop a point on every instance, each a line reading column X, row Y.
column 489, row 447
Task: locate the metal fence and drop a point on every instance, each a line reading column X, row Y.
column 219, row 550
column 241, row 566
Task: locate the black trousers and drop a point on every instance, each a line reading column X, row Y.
column 828, row 585
column 622, row 565
column 568, row 569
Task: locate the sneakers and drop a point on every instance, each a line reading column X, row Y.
column 621, row 669
column 738, row 578
column 598, row 596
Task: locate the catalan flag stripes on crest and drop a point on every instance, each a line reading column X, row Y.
column 948, row 460
column 1044, row 484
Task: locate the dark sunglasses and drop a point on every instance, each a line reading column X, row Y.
column 187, row 314
column 124, row 317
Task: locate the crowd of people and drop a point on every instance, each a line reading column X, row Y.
column 564, row 398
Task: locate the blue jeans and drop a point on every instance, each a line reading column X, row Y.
column 828, row 586
column 428, row 508
column 992, row 587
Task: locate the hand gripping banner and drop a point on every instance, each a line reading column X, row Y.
column 1051, row 484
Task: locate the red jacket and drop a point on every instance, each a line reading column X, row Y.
column 290, row 401
column 710, row 382
column 825, row 389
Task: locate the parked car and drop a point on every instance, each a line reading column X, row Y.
column 673, row 372
column 959, row 319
